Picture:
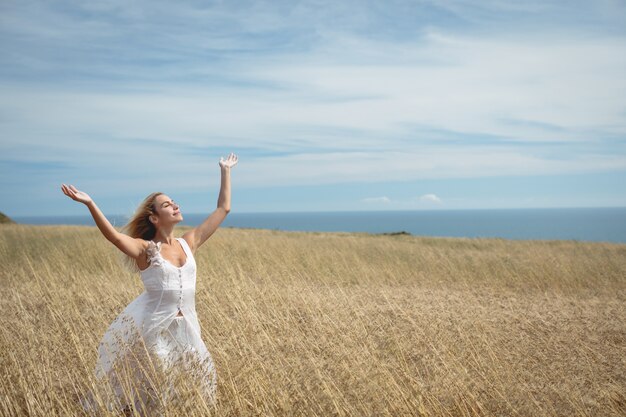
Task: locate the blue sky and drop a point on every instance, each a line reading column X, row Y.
column 330, row 105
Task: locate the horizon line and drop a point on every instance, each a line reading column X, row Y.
column 335, row 211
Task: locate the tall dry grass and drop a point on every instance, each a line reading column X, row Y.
column 341, row 324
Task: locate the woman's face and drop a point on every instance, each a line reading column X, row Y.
column 167, row 209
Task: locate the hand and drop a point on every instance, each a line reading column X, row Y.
column 76, row 195
column 229, row 162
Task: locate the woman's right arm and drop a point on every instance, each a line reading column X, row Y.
column 129, row 245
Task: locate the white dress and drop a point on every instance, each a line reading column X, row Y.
column 148, row 345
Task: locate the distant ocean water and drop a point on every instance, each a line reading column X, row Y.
column 583, row 224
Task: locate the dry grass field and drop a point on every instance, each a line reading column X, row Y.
column 336, row 324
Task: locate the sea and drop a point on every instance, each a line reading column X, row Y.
column 606, row 224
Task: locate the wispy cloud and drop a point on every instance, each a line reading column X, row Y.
column 332, row 92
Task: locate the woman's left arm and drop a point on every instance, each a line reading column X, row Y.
column 198, row 235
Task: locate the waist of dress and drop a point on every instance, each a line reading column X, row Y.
column 172, row 287
column 166, row 300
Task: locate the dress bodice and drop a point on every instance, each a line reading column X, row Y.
column 162, row 275
column 169, row 289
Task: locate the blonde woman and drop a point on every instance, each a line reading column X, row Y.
column 157, row 333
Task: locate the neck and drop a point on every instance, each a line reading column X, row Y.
column 164, row 234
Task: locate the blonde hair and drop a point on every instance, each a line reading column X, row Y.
column 140, row 226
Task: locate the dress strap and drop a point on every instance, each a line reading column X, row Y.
column 185, row 246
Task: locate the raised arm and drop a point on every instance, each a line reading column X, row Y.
column 198, row 235
column 130, row 246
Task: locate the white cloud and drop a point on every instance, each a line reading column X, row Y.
column 430, row 198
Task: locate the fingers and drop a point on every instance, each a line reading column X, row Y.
column 230, row 160
column 68, row 191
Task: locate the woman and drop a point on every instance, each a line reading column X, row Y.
column 158, row 335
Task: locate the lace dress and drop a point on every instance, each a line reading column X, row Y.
column 149, row 344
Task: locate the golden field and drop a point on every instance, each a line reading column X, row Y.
column 336, row 324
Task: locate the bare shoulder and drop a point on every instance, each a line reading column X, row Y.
column 142, row 259
column 190, row 239
column 131, row 246
column 143, row 245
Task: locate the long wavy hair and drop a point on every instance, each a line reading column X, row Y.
column 140, row 226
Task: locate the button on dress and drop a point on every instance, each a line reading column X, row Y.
column 150, row 336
